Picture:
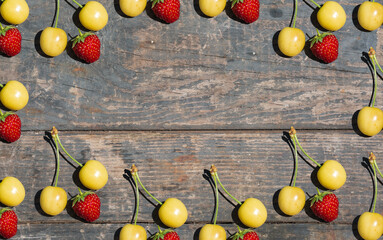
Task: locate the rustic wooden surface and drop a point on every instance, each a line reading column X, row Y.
column 174, row 99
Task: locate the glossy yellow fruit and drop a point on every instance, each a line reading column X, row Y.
column 370, row 15
column 133, row 232
column 331, row 16
column 173, row 213
column 252, row 213
column 14, row 11
column 212, row 8
column 132, row 8
column 370, row 120
column 212, row 232
column 332, row 175
column 93, row 175
column 291, row 200
column 291, row 41
column 12, row 192
column 14, row 95
column 53, row 41
column 370, row 226
column 53, row 200
column 93, row 16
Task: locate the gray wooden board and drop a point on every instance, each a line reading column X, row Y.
column 197, row 73
column 172, row 164
column 189, row 231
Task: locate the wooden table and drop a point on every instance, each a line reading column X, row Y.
column 174, row 99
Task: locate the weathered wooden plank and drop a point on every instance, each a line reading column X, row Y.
column 197, row 73
column 189, row 231
column 172, row 164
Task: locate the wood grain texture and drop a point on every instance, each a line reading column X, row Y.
column 190, row 231
column 172, row 164
column 197, row 73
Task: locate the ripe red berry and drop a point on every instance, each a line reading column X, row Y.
column 246, row 10
column 246, row 234
column 166, row 10
column 8, row 223
column 10, row 41
column 325, row 47
column 87, row 47
column 325, row 206
column 166, row 235
column 10, row 127
column 87, row 206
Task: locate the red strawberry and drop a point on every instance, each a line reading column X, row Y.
column 325, row 206
column 325, row 47
column 246, row 10
column 8, row 223
column 87, row 206
column 167, row 10
column 10, row 127
column 246, row 234
column 87, row 47
column 166, row 235
column 10, row 41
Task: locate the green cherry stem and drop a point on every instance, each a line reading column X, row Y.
column 372, row 56
column 56, row 137
column 376, row 61
column 372, row 160
column 377, row 168
column 300, row 146
column 143, row 187
column 216, row 199
column 316, row 4
column 137, row 198
column 292, row 133
column 57, row 156
column 295, row 13
column 81, row 6
column 224, row 189
column 57, row 13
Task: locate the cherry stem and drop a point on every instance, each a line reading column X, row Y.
column 224, row 189
column 57, row 13
column 375, row 187
column 142, row 185
column 137, row 198
column 375, row 82
column 295, row 13
column 81, row 6
column 296, row 162
column 377, row 168
column 58, row 162
column 300, row 146
column 316, row 4
column 216, row 199
column 376, row 61
column 62, row 147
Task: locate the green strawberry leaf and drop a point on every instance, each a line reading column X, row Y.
column 80, row 38
column 161, row 234
column 154, row 2
column 318, row 197
column 3, row 116
column 3, row 30
column 318, row 38
column 3, row 210
column 80, row 197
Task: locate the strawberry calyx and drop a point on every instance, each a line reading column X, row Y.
column 3, row 210
column 319, row 37
column 161, row 234
column 80, row 197
column 241, row 234
column 233, row 2
column 154, row 2
column 3, row 30
column 318, row 197
column 80, row 38
column 3, row 116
